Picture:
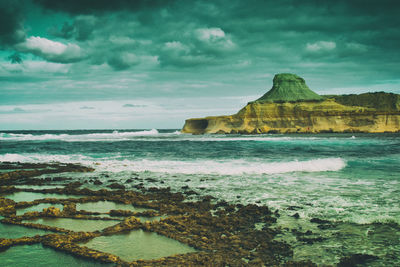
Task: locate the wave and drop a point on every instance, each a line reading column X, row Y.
column 114, row 136
column 155, row 135
column 211, row 167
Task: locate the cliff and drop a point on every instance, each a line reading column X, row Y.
column 303, row 112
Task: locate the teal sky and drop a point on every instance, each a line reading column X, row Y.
column 87, row 64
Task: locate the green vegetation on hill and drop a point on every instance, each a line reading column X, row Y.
column 379, row 100
column 287, row 88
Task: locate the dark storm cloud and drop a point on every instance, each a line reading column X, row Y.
column 11, row 22
column 94, row 6
column 226, row 47
column 81, row 29
column 66, row 31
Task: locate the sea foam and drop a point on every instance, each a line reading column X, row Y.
column 212, row 167
column 114, row 136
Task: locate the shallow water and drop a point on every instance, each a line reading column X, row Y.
column 31, row 196
column 37, row 255
column 76, row 225
column 139, row 244
column 351, row 179
column 341, row 239
column 38, row 207
column 16, row 231
column 106, row 206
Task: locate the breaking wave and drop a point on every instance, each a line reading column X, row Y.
column 114, row 136
column 217, row 167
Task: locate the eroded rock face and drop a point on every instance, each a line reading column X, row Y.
column 275, row 113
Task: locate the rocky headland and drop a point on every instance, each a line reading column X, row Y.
column 291, row 107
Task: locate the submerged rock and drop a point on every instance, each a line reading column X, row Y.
column 356, row 259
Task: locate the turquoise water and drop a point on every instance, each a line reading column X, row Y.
column 139, row 244
column 31, row 196
column 38, row 207
column 351, row 179
column 76, row 225
column 16, row 231
column 106, row 206
column 37, row 255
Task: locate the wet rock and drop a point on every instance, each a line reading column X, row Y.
column 296, row 215
column 294, row 208
column 51, row 212
column 356, row 259
column 320, row 221
column 7, row 207
column 69, row 208
column 74, row 185
column 116, row 186
column 126, row 225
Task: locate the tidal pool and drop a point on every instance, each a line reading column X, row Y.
column 76, row 225
column 106, row 206
column 17, row 231
column 139, row 244
column 37, row 255
column 31, row 196
column 38, row 207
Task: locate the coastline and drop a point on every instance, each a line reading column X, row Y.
column 220, row 232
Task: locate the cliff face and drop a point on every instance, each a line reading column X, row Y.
column 373, row 112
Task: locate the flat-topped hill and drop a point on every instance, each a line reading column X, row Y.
column 289, row 87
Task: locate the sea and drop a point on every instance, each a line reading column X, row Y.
column 351, row 180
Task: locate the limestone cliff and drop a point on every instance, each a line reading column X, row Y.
column 274, row 113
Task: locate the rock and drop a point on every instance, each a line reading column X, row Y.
column 116, row 186
column 320, row 221
column 51, row 212
column 356, row 259
column 291, row 107
column 296, row 215
column 7, row 206
column 69, row 208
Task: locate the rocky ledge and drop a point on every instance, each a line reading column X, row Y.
column 291, row 107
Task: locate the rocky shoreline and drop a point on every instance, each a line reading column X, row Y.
column 222, row 233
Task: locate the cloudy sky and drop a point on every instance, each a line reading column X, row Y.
column 153, row 63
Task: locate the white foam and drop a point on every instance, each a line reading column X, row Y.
column 114, row 136
column 225, row 167
column 154, row 135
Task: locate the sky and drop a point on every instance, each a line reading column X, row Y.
column 121, row 64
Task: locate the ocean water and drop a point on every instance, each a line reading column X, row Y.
column 352, row 180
